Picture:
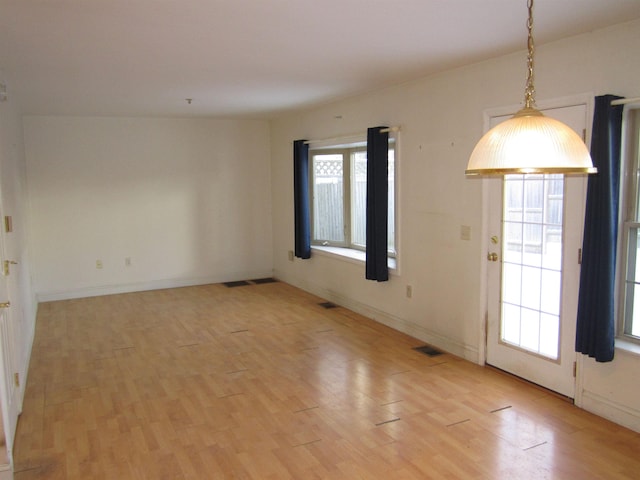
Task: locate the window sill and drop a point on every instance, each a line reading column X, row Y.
column 350, row 255
column 628, row 346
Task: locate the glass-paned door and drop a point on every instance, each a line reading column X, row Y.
column 535, row 230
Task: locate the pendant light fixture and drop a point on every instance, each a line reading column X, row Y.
column 530, row 142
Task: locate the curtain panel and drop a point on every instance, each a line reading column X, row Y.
column 595, row 330
column 377, row 204
column 302, row 221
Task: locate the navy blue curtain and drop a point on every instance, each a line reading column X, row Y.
column 377, row 204
column 302, row 222
column 595, row 332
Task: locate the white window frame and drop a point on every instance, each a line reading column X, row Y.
column 629, row 220
column 348, row 248
column 346, row 196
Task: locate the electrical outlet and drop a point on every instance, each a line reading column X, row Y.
column 409, row 291
column 98, row 263
column 127, row 262
column 290, row 254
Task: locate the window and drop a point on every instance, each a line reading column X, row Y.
column 532, row 262
column 630, row 283
column 339, row 196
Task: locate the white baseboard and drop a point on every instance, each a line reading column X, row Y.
column 604, row 407
column 144, row 286
column 5, row 472
column 405, row 326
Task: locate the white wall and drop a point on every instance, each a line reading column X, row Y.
column 441, row 118
column 187, row 200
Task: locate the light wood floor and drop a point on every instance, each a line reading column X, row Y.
column 260, row 382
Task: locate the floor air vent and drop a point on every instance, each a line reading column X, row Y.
column 240, row 283
column 427, row 350
column 259, row 281
column 327, row 305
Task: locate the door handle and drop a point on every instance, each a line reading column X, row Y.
column 6, row 264
column 492, row 257
column 5, row 304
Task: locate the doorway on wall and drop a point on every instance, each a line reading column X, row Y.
column 535, row 225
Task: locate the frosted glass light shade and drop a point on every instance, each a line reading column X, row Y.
column 530, row 142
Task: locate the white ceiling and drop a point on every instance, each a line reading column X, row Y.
column 257, row 57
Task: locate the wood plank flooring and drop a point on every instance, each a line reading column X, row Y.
column 260, row 382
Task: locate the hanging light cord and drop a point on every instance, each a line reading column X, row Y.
column 529, row 92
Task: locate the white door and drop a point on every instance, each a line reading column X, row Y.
column 535, row 230
column 9, row 393
column 7, row 388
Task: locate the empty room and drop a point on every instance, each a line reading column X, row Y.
column 294, row 239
